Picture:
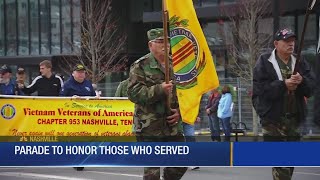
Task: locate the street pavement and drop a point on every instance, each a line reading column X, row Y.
column 135, row 173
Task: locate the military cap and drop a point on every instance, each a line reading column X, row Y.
column 20, row 70
column 156, row 33
column 284, row 34
column 5, row 69
column 79, row 67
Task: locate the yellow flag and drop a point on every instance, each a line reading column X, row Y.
column 192, row 61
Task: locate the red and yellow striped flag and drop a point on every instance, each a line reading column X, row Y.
column 192, row 61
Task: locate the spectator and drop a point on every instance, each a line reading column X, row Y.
column 47, row 84
column 8, row 85
column 77, row 84
column 211, row 110
column 21, row 77
column 189, row 133
column 225, row 111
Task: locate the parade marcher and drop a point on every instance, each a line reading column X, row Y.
column 122, row 89
column 278, row 95
column 154, row 121
column 47, row 84
column 212, row 110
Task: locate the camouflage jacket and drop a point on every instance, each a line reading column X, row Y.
column 144, row 89
column 122, row 89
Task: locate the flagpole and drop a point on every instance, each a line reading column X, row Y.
column 166, row 52
column 311, row 4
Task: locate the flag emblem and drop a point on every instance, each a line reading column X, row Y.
column 185, row 53
column 8, row 111
column 192, row 61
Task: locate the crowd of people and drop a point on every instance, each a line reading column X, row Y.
column 219, row 110
column 47, row 83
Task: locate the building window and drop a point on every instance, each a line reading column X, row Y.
column 34, row 27
column 39, row 27
column 23, row 27
column 55, row 26
column 215, row 33
column 157, row 5
column 11, row 27
column 76, row 33
column 310, row 38
column 311, row 31
column 66, row 27
column 287, row 22
column 265, row 31
column 44, row 27
column 23, row 5
column 196, row 3
column 225, row 1
column 209, row 2
column 1, row 28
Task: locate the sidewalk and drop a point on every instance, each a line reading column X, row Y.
column 206, row 132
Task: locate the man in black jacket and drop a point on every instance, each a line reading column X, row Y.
column 279, row 96
column 47, row 84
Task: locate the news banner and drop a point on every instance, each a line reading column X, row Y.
column 98, row 133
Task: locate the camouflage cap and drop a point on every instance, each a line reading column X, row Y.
column 156, row 33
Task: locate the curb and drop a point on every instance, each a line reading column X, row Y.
column 250, row 133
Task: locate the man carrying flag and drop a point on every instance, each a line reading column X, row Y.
column 153, row 120
column 152, row 84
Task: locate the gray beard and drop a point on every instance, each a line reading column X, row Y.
column 4, row 81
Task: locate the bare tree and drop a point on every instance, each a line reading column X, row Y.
column 102, row 40
column 247, row 43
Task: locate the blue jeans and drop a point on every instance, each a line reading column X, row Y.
column 189, row 132
column 226, row 127
column 214, row 127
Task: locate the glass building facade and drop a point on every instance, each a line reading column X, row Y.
column 39, row 27
column 217, row 27
column 35, row 30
